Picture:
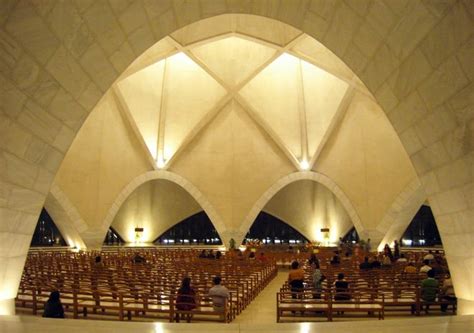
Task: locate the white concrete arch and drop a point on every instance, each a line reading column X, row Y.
column 400, row 214
column 172, row 177
column 291, row 178
column 66, row 217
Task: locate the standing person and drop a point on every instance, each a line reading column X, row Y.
column 219, row 295
column 318, row 279
column 296, row 278
column 368, row 246
column 388, row 252
column 396, row 251
column 53, row 307
column 185, row 300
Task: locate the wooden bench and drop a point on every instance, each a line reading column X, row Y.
column 290, row 303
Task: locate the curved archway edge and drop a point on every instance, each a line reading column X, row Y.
column 291, row 178
column 172, row 177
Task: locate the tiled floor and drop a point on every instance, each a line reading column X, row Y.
column 448, row 324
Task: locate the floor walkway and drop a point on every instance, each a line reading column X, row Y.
column 262, row 310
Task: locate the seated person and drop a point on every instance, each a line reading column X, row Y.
column 365, row 265
column 429, row 288
column 376, row 263
column 429, row 256
column 296, row 278
column 410, row 268
column 341, row 288
column 185, row 299
column 138, row 259
column 447, row 292
column 219, row 294
column 203, row 254
column 386, row 262
column 426, row 266
column 262, row 257
column 313, row 260
column 402, row 259
column 211, row 255
column 336, row 260
column 218, row 255
column 252, row 256
column 53, row 307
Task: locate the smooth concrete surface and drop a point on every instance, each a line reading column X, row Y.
column 448, row 324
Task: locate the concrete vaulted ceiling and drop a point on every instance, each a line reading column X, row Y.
column 231, row 106
column 295, row 100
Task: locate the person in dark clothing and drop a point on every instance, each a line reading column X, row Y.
column 336, row 260
column 365, row 265
column 186, row 299
column 53, row 307
column 342, row 289
column 313, row 260
column 376, row 263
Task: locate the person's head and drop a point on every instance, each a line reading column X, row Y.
column 294, row 265
column 430, row 252
column 426, row 261
column 447, row 275
column 186, row 283
column 98, row 259
column 340, row 276
column 366, row 259
column 54, row 296
column 252, row 255
column 431, row 273
column 217, row 280
column 262, row 254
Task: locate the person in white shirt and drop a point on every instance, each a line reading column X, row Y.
column 426, row 267
column 429, row 256
column 219, row 294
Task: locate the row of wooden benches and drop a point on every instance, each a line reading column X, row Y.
column 317, row 304
column 121, row 289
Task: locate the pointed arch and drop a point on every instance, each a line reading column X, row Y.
column 174, row 178
column 291, row 178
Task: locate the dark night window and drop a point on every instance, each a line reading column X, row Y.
column 351, row 236
column 194, row 230
column 271, row 230
column 113, row 238
column 46, row 232
column 422, row 230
